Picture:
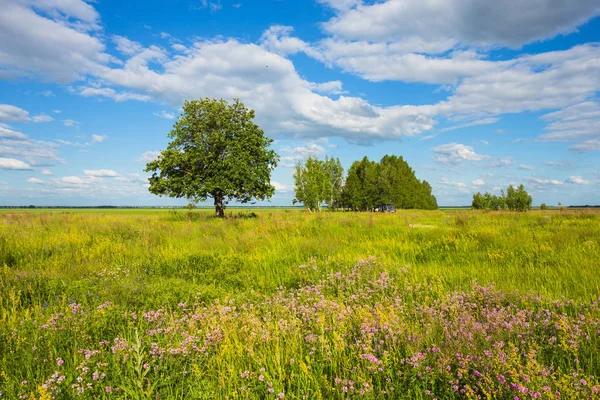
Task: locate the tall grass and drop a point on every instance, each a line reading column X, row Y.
column 286, row 303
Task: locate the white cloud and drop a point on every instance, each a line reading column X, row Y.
column 16, row 145
column 478, row 182
column 506, row 22
column 502, row 162
column 212, row 6
column 111, row 94
column 6, row 133
column 99, row 138
column 148, row 156
column 281, row 188
column 542, row 181
column 11, row 163
column 454, row 186
column 51, row 39
column 67, row 48
column 291, row 155
column 101, row 173
column 126, row 46
column 525, row 167
column 484, row 121
column 42, row 118
column 36, row 181
column 579, row 121
column 454, row 153
column 586, row 145
column 12, row 113
column 165, row 114
column 46, row 172
column 47, row 93
column 70, row 123
column 269, row 84
column 577, row 180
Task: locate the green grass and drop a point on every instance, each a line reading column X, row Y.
column 146, row 260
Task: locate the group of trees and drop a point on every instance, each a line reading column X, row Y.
column 368, row 184
column 515, row 199
column 218, row 151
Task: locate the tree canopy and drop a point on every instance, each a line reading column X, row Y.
column 391, row 180
column 216, row 151
column 515, row 199
column 318, row 182
column 368, row 184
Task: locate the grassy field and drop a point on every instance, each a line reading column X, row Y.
column 147, row 304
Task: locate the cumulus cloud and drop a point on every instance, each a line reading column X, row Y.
column 101, row 173
column 505, row 22
column 46, row 172
column 525, row 167
column 6, row 133
column 293, row 154
column 165, row 114
column 70, row 123
column 478, row 182
column 148, row 156
column 453, row 186
column 450, row 50
column 111, row 94
column 281, row 188
column 36, row 181
column 12, row 113
column 17, row 145
column 51, row 40
column 42, row 118
column 99, row 138
column 586, row 145
column 577, row 180
column 455, row 153
column 12, row 163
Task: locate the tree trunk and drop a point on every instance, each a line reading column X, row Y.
column 219, row 212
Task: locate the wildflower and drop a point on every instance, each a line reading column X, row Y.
column 59, row 361
column 108, row 389
column 261, row 378
column 281, row 395
column 271, row 390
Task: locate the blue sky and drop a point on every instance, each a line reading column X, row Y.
column 474, row 95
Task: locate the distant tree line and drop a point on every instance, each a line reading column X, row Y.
column 368, row 183
column 515, row 199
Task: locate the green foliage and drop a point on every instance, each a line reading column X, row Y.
column 518, row 199
column 391, row 180
column 514, row 200
column 318, row 182
column 488, row 201
column 543, row 207
column 335, row 177
column 216, row 151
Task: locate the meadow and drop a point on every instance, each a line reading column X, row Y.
column 161, row 304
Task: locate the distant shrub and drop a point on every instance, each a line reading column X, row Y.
column 543, row 206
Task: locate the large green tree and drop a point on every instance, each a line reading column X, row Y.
column 391, row 180
column 312, row 186
column 216, row 151
column 318, row 182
